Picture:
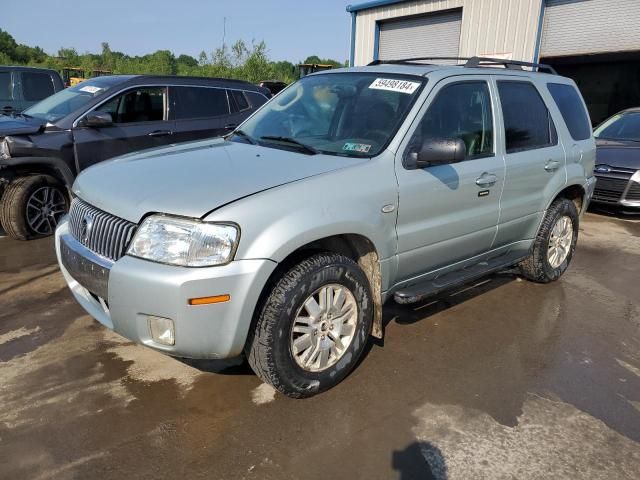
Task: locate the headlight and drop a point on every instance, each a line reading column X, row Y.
column 4, row 149
column 180, row 241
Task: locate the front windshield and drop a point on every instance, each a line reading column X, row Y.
column 623, row 126
column 64, row 102
column 351, row 114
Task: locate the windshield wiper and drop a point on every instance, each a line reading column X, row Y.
column 293, row 142
column 244, row 135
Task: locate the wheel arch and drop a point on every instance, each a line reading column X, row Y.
column 574, row 192
column 357, row 247
column 55, row 167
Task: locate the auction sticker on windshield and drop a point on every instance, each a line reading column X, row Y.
column 394, row 85
column 356, row 147
column 90, row 89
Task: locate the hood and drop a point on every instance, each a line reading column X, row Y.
column 618, row 153
column 19, row 125
column 192, row 179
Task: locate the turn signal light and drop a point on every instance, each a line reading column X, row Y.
column 209, row 300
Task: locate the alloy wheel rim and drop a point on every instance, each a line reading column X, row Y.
column 324, row 327
column 45, row 207
column 560, row 241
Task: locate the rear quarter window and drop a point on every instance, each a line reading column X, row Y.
column 255, row 99
column 572, row 109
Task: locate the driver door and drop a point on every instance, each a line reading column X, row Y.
column 448, row 213
column 140, row 121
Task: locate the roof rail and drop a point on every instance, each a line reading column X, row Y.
column 511, row 64
column 472, row 62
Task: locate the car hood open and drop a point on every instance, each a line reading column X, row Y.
column 194, row 178
column 616, row 153
column 18, row 125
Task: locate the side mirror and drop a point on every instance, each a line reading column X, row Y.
column 438, row 151
column 97, row 119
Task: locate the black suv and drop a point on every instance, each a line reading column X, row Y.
column 43, row 149
column 21, row 87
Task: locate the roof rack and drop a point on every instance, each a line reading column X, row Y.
column 473, row 62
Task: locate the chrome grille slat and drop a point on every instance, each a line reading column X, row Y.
column 109, row 235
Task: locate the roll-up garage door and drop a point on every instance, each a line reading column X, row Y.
column 574, row 27
column 433, row 35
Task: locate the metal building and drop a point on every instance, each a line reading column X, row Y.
column 596, row 42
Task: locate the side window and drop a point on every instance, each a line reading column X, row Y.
column 240, row 99
column 6, row 90
column 527, row 122
column 256, row 100
column 572, row 109
column 460, row 110
column 36, row 86
column 138, row 105
column 200, row 102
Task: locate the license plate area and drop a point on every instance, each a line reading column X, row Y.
column 85, row 267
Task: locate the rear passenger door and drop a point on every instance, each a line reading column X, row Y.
column 200, row 112
column 534, row 158
column 140, row 121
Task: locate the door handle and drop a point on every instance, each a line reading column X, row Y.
column 552, row 165
column 486, row 180
column 231, row 126
column 160, row 133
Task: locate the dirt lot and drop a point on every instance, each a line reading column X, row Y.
column 506, row 379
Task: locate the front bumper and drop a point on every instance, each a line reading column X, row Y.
column 136, row 289
column 621, row 188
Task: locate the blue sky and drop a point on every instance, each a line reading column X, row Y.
column 292, row 29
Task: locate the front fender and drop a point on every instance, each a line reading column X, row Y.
column 57, row 164
column 277, row 222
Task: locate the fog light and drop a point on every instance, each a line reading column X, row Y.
column 162, row 330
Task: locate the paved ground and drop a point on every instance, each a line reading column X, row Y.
column 504, row 380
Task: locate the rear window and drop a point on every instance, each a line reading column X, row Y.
column 36, row 86
column 570, row 105
column 201, row 102
column 527, row 122
column 6, row 92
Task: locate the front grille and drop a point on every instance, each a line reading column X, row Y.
column 610, row 189
column 101, row 232
column 634, row 192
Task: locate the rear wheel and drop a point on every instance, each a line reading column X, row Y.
column 32, row 206
column 313, row 326
column 555, row 243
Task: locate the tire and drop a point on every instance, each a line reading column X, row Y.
column 14, row 210
column 539, row 267
column 270, row 346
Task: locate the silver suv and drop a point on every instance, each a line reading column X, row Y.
column 351, row 187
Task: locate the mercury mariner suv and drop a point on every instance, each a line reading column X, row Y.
column 351, row 187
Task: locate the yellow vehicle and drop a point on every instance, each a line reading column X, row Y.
column 72, row 76
column 308, row 68
column 100, row 73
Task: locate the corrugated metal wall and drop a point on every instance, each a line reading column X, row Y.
column 574, row 27
column 488, row 26
column 435, row 34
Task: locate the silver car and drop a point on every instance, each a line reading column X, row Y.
column 283, row 240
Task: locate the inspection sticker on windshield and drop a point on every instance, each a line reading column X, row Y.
column 356, row 147
column 393, row 85
column 90, row 89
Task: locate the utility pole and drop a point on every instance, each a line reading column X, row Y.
column 224, row 31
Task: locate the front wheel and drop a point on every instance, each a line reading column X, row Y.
column 554, row 245
column 313, row 326
column 32, row 206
